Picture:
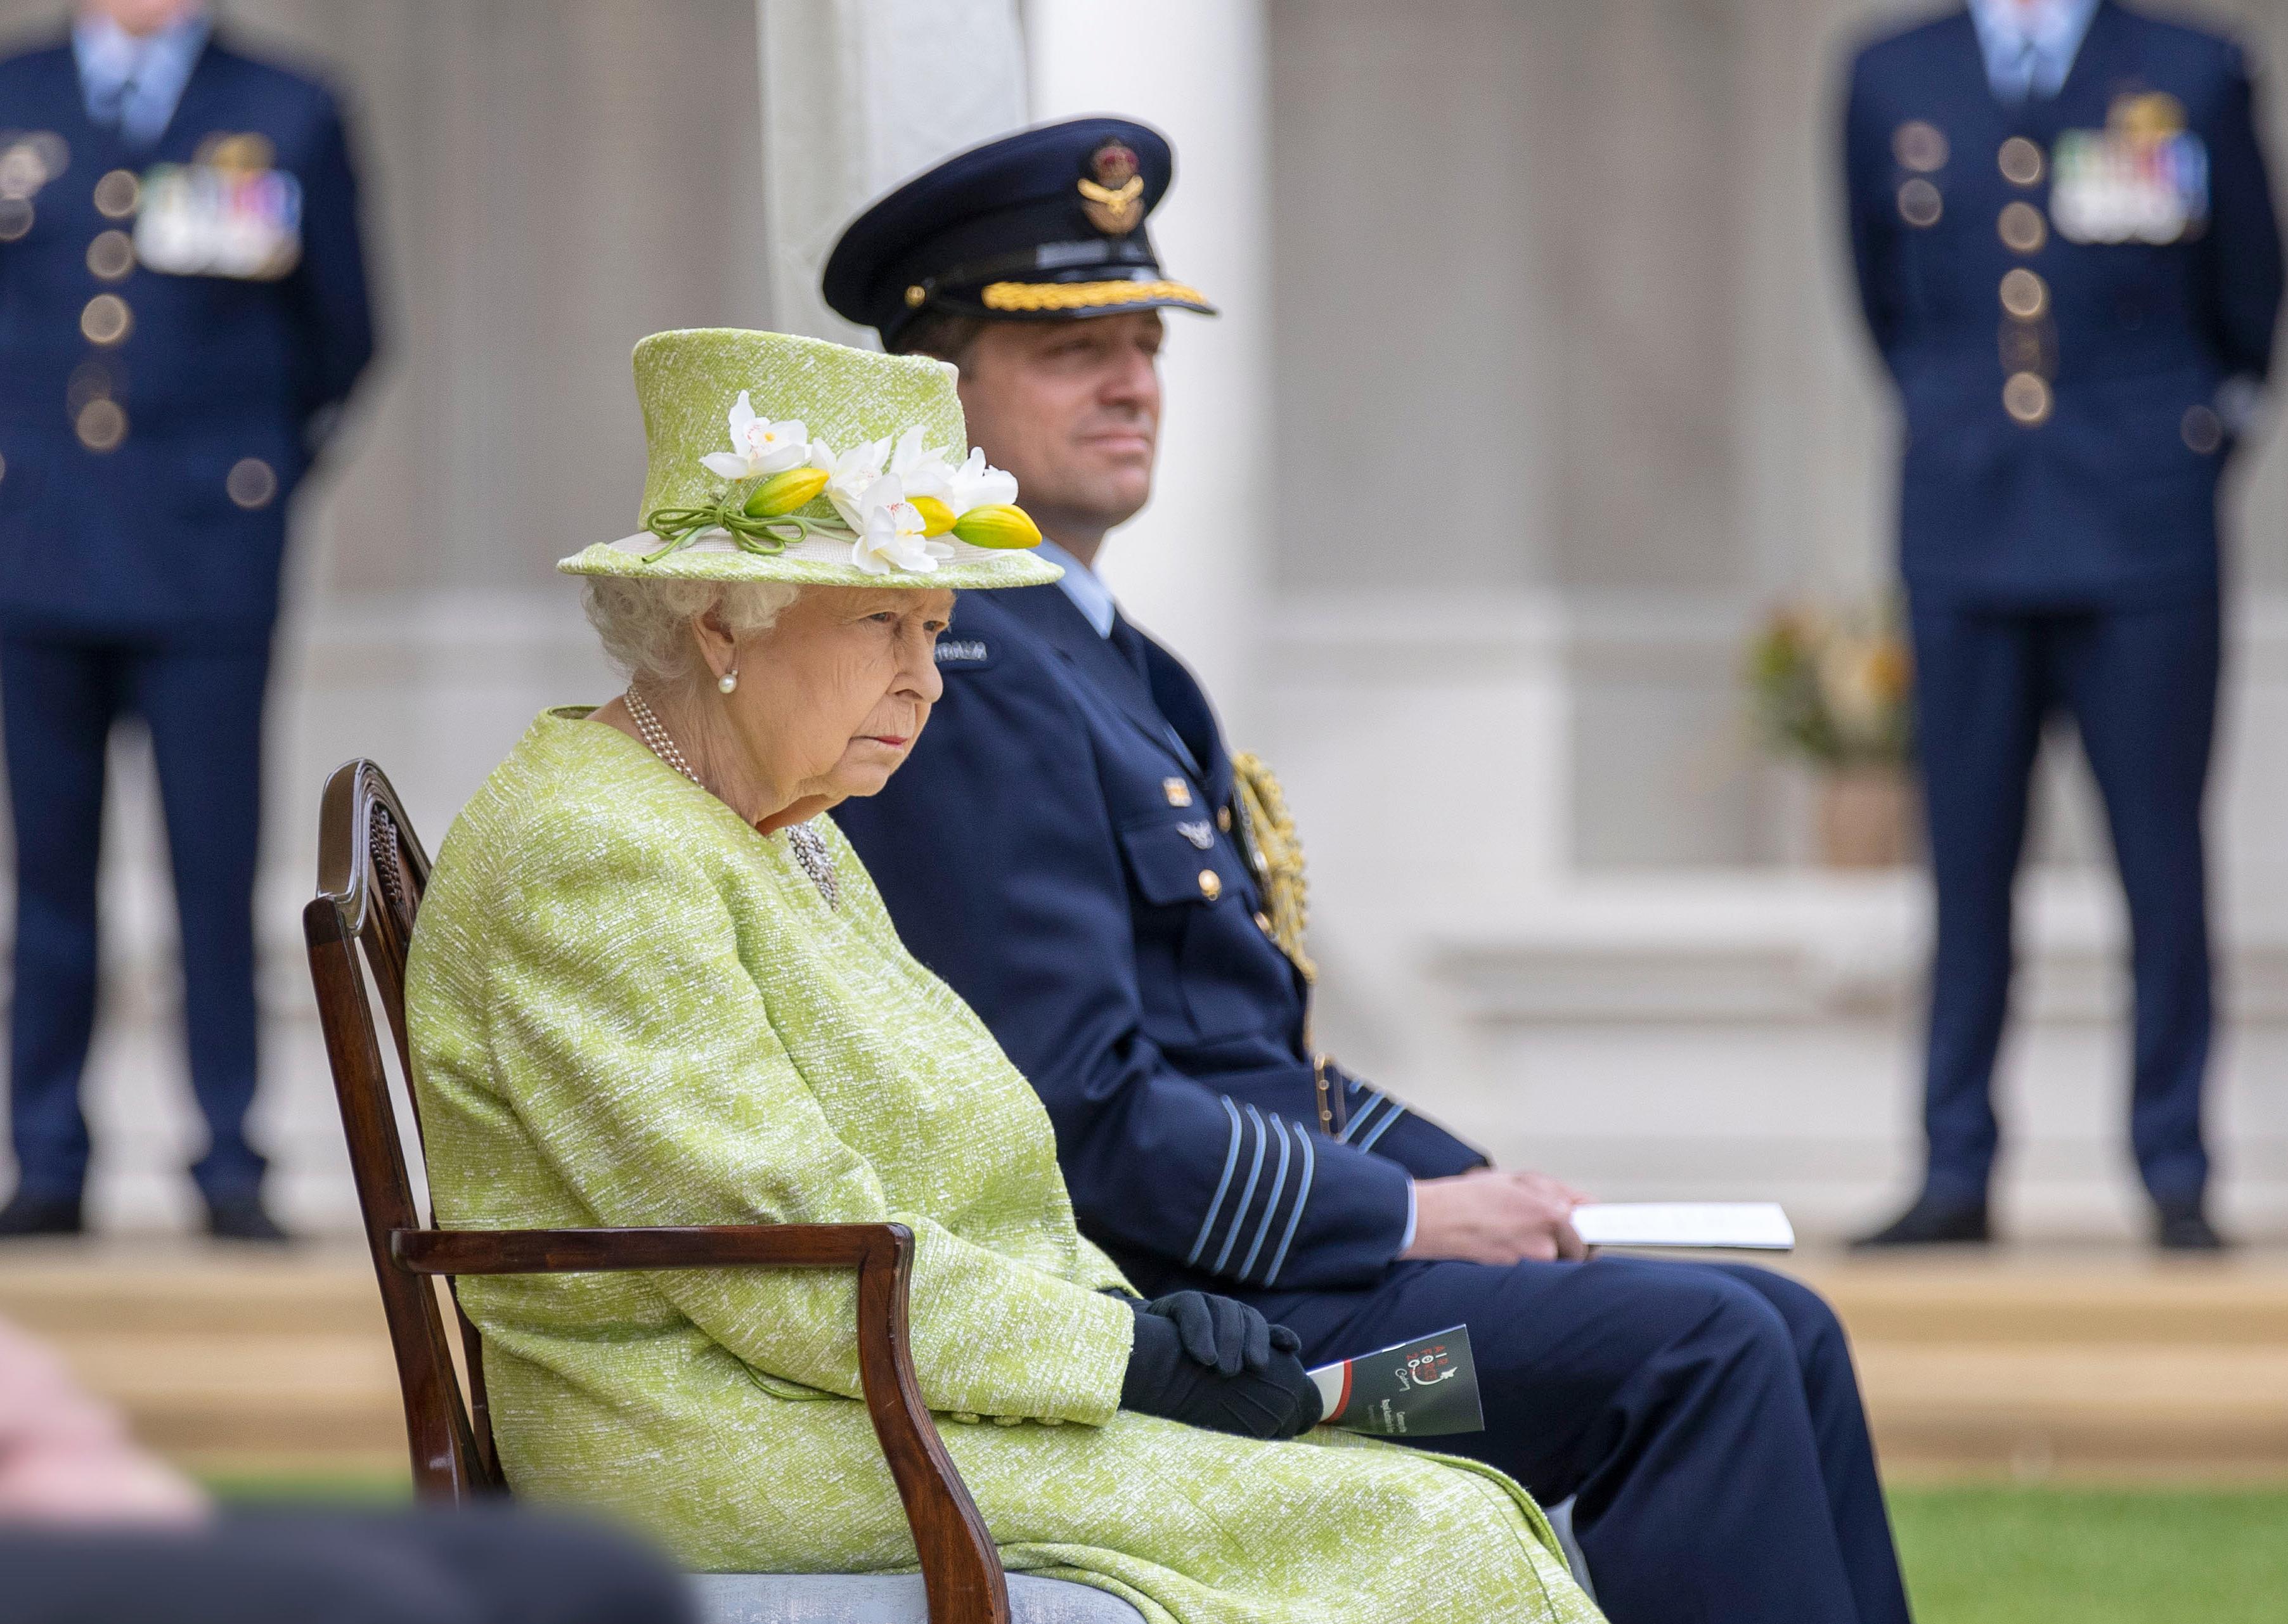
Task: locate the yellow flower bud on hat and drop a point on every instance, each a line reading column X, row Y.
column 783, row 493
column 996, row 524
column 937, row 519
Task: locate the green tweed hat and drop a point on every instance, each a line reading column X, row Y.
column 778, row 458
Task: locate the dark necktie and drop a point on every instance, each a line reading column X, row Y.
column 109, row 103
column 1128, row 643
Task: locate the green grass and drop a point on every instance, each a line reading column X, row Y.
column 2053, row 1555
column 346, row 1491
column 1974, row 1554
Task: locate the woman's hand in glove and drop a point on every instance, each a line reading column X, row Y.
column 1211, row 1362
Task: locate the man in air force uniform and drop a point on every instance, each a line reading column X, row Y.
column 2068, row 258
column 182, row 312
column 1074, row 847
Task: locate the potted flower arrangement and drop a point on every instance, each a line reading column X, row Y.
column 1833, row 689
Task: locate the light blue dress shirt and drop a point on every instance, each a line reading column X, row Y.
column 1078, row 582
column 1095, row 603
column 2030, row 44
column 134, row 85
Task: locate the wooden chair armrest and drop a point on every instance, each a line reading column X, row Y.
column 961, row 1570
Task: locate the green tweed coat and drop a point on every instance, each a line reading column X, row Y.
column 629, row 1008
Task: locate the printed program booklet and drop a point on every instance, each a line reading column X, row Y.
column 1756, row 1226
column 1418, row 1389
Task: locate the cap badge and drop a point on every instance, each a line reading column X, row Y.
column 1114, row 199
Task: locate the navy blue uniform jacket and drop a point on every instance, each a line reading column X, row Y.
column 2101, row 491
column 145, row 539
column 1056, row 849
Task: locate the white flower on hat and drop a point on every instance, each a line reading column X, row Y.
column 922, row 473
column 759, row 445
column 945, row 493
column 977, row 484
column 892, row 532
column 851, row 475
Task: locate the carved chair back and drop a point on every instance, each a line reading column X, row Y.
column 371, row 873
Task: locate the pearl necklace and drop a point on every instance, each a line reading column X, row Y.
column 656, row 734
column 803, row 839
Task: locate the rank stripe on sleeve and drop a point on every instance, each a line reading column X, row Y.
column 1270, row 1202
column 1230, row 1162
column 1264, row 1208
column 1356, row 1131
column 1302, row 1195
column 1246, row 1194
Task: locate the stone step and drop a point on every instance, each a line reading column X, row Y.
column 2048, row 1301
column 125, row 1286
column 2034, row 1409
column 223, row 1359
column 2077, row 1364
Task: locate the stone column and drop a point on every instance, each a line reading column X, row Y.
column 1191, row 568
column 857, row 95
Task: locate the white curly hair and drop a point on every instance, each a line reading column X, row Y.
column 646, row 625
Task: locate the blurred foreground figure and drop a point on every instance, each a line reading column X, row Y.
column 1073, row 848
column 92, row 1528
column 182, row 312
column 2082, row 186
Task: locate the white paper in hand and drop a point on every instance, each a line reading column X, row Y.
column 1759, row 1226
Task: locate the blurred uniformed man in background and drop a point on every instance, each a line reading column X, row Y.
column 2068, row 258
column 182, row 312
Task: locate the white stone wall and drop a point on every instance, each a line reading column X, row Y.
column 1717, row 1028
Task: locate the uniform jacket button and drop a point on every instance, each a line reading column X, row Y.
column 2022, row 228
column 101, row 424
column 2026, row 396
column 117, row 194
column 1210, row 885
column 106, row 320
column 2022, row 161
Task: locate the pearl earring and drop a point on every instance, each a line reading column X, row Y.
column 728, row 682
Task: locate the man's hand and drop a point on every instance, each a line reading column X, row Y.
column 1491, row 1217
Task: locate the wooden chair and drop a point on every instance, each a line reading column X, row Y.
column 371, row 873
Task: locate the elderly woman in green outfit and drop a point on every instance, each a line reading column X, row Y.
column 651, row 986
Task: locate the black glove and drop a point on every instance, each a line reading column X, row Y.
column 1211, row 1362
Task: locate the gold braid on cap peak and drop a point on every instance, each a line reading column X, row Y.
column 1083, row 295
column 1277, row 854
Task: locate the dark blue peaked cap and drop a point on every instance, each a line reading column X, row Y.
column 1044, row 225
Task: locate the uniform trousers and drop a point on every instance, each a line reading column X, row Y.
column 59, row 699
column 487, row 1566
column 2141, row 685
column 1703, row 1418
